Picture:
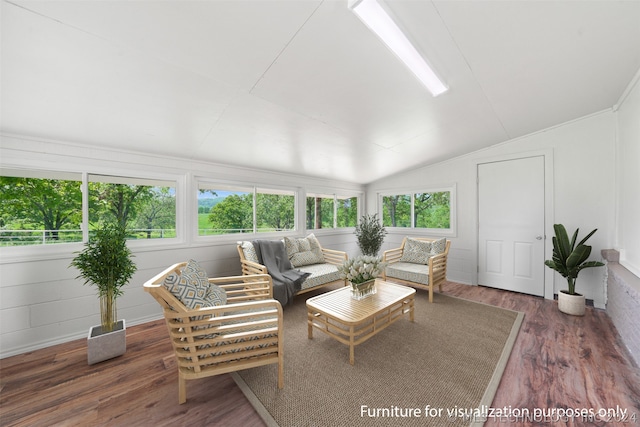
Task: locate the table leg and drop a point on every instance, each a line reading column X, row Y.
column 411, row 309
column 351, row 346
column 309, row 325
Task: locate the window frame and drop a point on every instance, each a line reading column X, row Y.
column 335, row 194
column 453, row 221
column 48, row 174
column 274, row 191
column 11, row 254
column 253, row 189
column 126, row 178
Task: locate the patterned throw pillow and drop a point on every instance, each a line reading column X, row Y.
column 416, row 251
column 304, row 251
column 249, row 251
column 438, row 246
column 192, row 287
column 216, row 296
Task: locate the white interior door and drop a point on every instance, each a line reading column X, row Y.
column 511, row 225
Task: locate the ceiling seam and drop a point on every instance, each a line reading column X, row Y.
column 285, row 47
column 484, row 93
column 57, row 21
column 118, row 44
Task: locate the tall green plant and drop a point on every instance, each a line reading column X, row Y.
column 568, row 258
column 370, row 234
column 106, row 263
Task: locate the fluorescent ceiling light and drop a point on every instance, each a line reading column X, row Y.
column 378, row 21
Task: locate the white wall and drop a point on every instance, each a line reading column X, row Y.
column 41, row 302
column 583, row 157
column 628, row 178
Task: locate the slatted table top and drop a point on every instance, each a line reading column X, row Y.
column 339, row 305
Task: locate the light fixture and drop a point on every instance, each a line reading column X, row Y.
column 376, row 18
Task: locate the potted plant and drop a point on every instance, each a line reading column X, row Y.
column 361, row 272
column 569, row 259
column 106, row 263
column 370, row 234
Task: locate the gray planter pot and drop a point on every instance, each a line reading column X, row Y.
column 106, row 345
column 571, row 304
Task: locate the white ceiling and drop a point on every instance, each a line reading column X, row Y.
column 303, row 86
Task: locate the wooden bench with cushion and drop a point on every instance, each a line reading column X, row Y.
column 218, row 325
column 306, row 254
column 420, row 262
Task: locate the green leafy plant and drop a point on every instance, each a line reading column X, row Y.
column 106, row 263
column 570, row 258
column 370, row 234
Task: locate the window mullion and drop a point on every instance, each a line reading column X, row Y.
column 413, row 210
column 85, row 206
column 255, row 209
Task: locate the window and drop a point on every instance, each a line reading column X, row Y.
column 331, row 211
column 346, row 211
column 320, row 211
column 275, row 210
column 224, row 209
column 433, row 210
column 147, row 208
column 39, row 207
column 397, row 211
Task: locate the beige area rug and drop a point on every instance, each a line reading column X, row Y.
column 449, row 360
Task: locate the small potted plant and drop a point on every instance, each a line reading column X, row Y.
column 106, row 263
column 361, row 272
column 569, row 259
column 370, row 234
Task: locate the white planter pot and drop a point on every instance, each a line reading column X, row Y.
column 106, row 345
column 571, row 304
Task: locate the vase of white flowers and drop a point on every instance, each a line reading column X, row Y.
column 361, row 272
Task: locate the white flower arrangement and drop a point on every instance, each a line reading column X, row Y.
column 361, row 269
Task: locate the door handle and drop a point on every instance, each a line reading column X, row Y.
column 538, row 237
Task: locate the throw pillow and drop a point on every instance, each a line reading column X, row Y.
column 216, row 296
column 438, row 246
column 249, row 251
column 192, row 287
column 304, row 251
column 416, row 251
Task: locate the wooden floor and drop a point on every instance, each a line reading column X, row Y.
column 558, row 361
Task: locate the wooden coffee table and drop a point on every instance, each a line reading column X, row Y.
column 352, row 322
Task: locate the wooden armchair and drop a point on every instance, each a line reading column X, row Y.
column 245, row 332
column 415, row 274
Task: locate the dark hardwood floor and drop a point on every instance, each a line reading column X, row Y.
column 558, row 361
column 562, row 361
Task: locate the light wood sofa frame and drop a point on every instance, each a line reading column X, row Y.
column 245, row 333
column 331, row 256
column 437, row 267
